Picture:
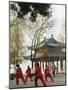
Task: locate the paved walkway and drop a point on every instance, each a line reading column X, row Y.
column 58, row 80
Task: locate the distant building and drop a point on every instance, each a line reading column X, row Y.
column 47, row 52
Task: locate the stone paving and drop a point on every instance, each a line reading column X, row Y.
column 58, row 80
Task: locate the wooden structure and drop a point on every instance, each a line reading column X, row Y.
column 48, row 51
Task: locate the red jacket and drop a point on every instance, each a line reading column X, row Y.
column 18, row 72
column 38, row 71
column 28, row 71
column 47, row 70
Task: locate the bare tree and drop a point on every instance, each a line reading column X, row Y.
column 37, row 32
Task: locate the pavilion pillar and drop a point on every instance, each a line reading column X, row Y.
column 46, row 63
column 43, row 66
column 57, row 66
column 35, row 65
column 40, row 63
column 32, row 64
column 52, row 62
column 61, row 64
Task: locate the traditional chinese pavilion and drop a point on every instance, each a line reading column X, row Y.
column 47, row 52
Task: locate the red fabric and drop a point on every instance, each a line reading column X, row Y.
column 19, row 75
column 47, row 70
column 50, row 76
column 29, row 75
column 28, row 71
column 38, row 75
column 38, row 71
column 47, row 74
column 42, row 79
column 18, row 72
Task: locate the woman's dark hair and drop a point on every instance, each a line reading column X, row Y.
column 46, row 65
column 17, row 65
column 37, row 64
column 28, row 67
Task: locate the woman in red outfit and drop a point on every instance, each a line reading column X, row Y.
column 48, row 74
column 29, row 75
column 19, row 74
column 38, row 75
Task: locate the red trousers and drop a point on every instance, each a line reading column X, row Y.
column 19, row 77
column 29, row 76
column 49, row 75
column 41, row 78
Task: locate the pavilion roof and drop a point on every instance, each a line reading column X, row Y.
column 51, row 42
column 48, row 54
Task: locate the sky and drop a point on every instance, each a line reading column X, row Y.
column 58, row 13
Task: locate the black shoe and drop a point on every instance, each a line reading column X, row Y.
column 45, row 85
